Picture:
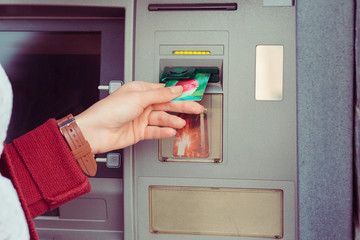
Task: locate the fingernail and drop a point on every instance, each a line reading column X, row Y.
column 176, row 89
column 183, row 123
column 172, row 132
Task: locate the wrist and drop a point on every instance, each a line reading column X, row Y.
column 86, row 129
column 79, row 146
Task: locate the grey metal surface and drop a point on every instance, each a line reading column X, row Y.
column 325, row 113
column 98, row 213
column 61, row 234
column 278, row 3
column 357, row 121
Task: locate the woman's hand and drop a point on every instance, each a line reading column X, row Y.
column 136, row 111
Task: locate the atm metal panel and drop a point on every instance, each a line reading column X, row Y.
column 259, row 136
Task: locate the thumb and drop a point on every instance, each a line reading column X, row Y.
column 161, row 95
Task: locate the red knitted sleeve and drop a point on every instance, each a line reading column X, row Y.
column 43, row 170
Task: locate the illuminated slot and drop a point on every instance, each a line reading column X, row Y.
column 202, row 141
column 216, row 211
column 178, row 52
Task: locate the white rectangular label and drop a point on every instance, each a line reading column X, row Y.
column 269, row 72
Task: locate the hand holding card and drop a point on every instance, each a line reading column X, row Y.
column 192, row 89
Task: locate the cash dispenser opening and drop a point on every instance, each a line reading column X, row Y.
column 201, row 138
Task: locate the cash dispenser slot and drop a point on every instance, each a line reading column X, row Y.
column 201, row 138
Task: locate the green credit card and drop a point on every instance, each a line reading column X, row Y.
column 192, row 89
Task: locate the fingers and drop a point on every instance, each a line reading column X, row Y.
column 159, row 95
column 140, row 86
column 152, row 132
column 160, row 118
column 189, row 107
column 146, row 94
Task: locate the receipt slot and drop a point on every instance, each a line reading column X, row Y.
column 232, row 171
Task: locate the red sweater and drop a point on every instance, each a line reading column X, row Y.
column 43, row 171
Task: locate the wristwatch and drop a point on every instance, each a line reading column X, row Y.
column 80, row 148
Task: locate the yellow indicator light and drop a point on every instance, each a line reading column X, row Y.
column 191, row 52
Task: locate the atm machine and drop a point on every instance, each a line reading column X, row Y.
column 244, row 184
column 232, row 174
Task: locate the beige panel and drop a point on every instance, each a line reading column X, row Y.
column 216, row 211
